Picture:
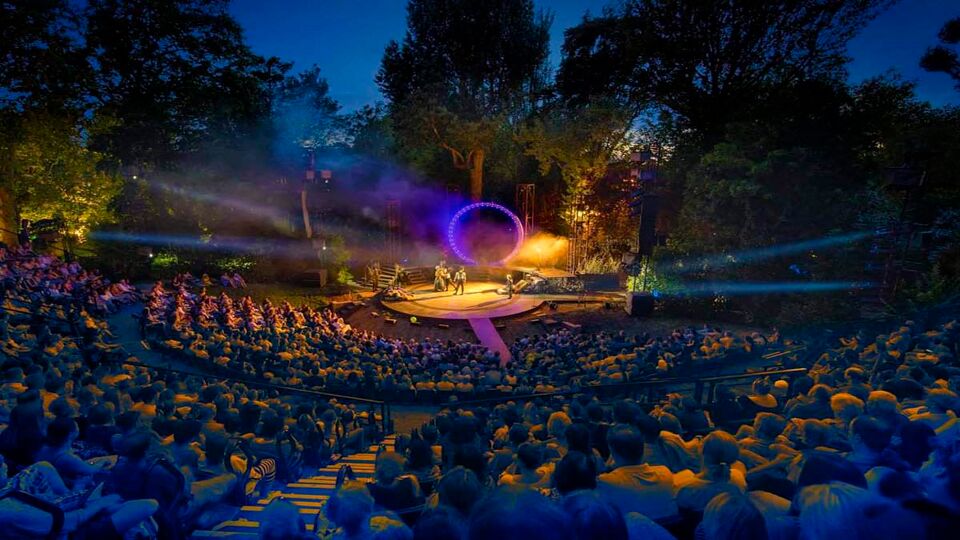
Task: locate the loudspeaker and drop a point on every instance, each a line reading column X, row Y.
column 639, row 304
column 648, row 224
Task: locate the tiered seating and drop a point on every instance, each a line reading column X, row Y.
column 309, row 494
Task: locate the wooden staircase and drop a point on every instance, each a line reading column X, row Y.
column 309, row 494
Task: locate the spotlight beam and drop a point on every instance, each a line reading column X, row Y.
column 753, row 255
column 732, row 288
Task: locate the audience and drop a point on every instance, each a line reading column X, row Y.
column 864, row 445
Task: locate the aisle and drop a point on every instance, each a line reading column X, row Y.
column 309, row 494
column 490, row 338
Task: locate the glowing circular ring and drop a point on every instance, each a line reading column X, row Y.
column 455, row 220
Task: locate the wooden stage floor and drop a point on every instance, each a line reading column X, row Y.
column 479, row 301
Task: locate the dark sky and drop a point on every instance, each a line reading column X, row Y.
column 346, row 39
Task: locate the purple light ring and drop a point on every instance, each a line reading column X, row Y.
column 451, row 230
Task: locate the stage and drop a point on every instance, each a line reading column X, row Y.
column 479, row 301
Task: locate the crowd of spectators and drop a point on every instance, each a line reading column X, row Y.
column 864, row 445
column 34, row 279
column 94, row 444
column 316, row 347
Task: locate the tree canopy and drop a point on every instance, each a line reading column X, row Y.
column 707, row 63
column 463, row 69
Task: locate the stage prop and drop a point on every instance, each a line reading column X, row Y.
column 454, row 226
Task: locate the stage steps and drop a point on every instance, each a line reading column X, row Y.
column 415, row 276
column 309, row 494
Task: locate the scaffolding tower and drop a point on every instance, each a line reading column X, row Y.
column 525, row 204
column 578, row 248
column 394, row 245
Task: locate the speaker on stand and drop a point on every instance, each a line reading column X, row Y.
column 639, row 304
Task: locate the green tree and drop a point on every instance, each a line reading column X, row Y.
column 579, row 143
column 464, row 68
column 707, row 63
column 43, row 63
column 55, row 175
column 304, row 115
column 176, row 75
column 942, row 58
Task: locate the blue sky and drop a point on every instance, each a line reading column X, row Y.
column 346, row 39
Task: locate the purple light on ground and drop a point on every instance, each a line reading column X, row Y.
column 455, row 221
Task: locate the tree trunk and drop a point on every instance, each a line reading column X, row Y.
column 306, row 213
column 476, row 175
column 9, row 220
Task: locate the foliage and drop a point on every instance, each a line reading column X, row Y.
column 464, row 68
column 42, row 61
column 942, row 58
column 707, row 63
column 176, row 75
column 305, row 116
column 344, row 277
column 55, row 175
column 579, row 143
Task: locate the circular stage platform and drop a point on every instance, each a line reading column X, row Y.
column 479, row 301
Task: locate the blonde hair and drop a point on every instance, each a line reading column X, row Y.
column 557, row 424
column 882, row 403
column 846, row 406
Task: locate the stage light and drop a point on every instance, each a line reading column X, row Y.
column 452, row 228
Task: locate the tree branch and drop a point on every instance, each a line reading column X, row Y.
column 459, row 162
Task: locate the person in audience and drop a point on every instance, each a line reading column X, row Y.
column 392, row 489
column 593, row 517
column 718, row 473
column 732, row 517
column 281, row 520
column 632, row 485
column 529, row 471
column 58, row 451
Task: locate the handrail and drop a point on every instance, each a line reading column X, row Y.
column 645, row 383
column 252, row 382
column 753, row 374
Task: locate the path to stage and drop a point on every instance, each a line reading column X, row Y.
column 490, row 338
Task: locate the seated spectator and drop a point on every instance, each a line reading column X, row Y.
column 512, row 513
column 839, row 510
column 593, row 517
column 717, row 475
column 529, row 473
column 817, row 404
column 392, row 489
column 349, row 509
column 632, row 485
column 281, row 520
column 576, row 471
column 99, row 516
column 732, row 517
column 58, row 451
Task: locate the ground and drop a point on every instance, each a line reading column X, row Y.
column 593, row 317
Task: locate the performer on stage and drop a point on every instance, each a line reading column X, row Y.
column 398, row 276
column 509, row 285
column 459, row 281
column 446, row 278
column 438, row 277
column 375, row 276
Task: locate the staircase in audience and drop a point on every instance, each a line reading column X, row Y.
column 309, row 494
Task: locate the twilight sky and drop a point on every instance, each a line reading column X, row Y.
column 346, row 39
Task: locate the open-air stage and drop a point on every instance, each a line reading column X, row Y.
column 480, row 300
column 481, row 303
